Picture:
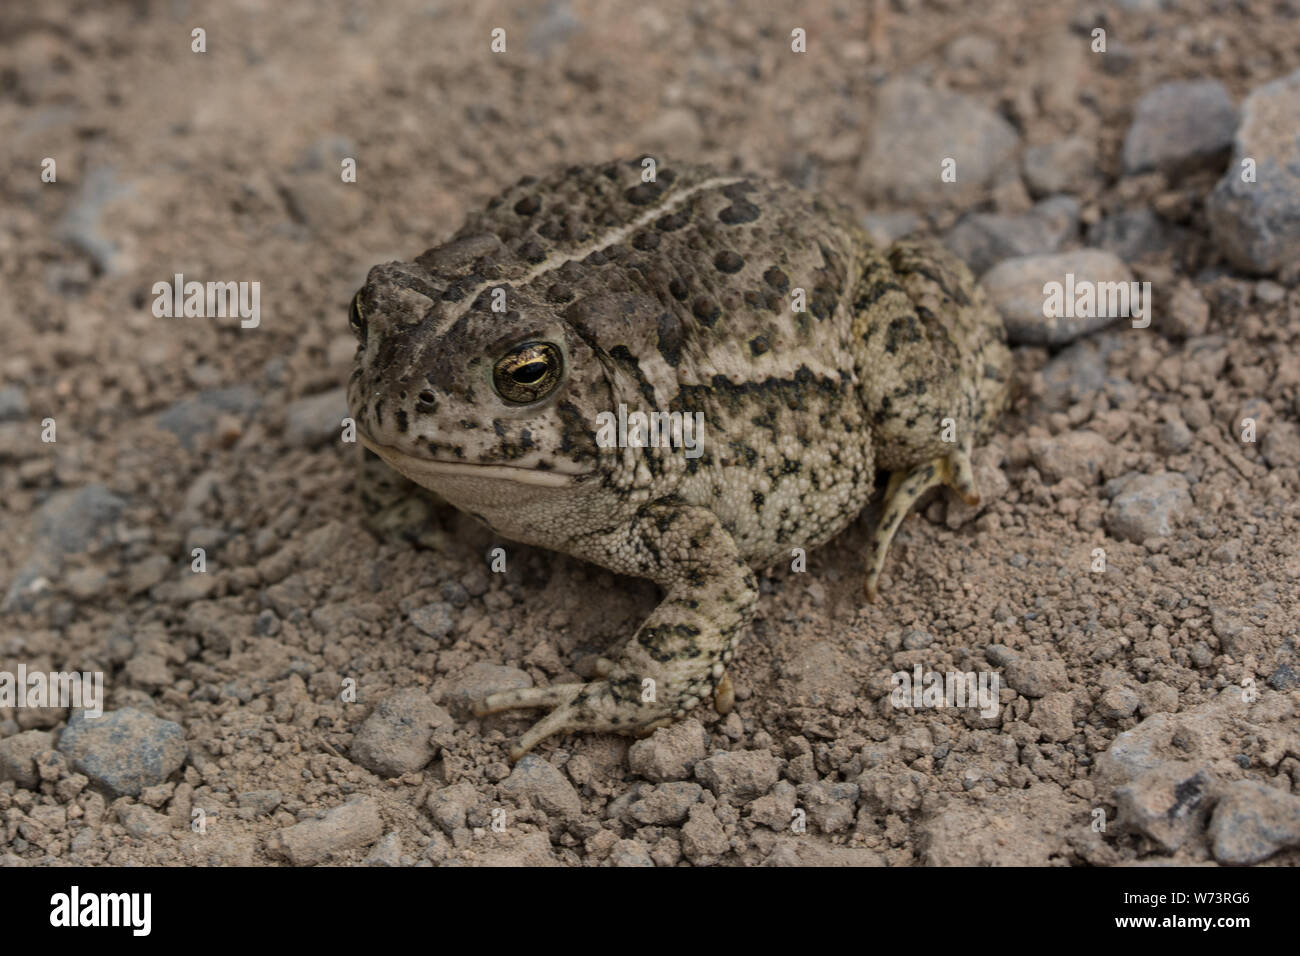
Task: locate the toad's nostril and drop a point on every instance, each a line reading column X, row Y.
column 426, row 397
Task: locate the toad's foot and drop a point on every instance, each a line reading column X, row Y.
column 614, row 706
column 679, row 656
column 904, row 490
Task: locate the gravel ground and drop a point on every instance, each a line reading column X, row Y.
column 1131, row 579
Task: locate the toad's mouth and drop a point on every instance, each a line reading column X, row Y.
column 426, row 471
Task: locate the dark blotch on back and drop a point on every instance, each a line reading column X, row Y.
column 528, row 205
column 670, row 338
column 706, row 310
column 728, row 261
column 532, row 251
column 777, row 279
column 643, row 194
column 740, row 211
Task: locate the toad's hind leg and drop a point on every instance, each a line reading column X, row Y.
column 904, row 490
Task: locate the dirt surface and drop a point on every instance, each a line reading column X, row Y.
column 304, row 698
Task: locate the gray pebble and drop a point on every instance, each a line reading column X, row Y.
column 1015, row 287
column 394, row 739
column 739, row 776
column 347, row 827
column 630, row 853
column 315, row 420
column 1167, row 805
column 13, row 403
column 1255, row 222
column 18, row 756
column 437, row 619
column 1252, row 821
column 124, row 750
column 917, row 127
column 1134, row 234
column 666, row 804
column 1180, row 126
column 546, row 787
column 984, row 239
column 1148, row 506
column 1059, row 167
column 191, row 418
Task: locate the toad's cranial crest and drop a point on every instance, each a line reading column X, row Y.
column 813, row 357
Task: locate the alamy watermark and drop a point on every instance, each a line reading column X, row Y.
column 651, row 430
column 1085, row 299
column 961, row 689
column 208, row 300
column 79, row 690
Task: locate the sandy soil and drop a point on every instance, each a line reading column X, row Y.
column 281, row 735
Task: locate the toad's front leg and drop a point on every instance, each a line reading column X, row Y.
column 680, row 653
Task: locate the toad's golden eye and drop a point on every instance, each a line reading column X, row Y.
column 356, row 319
column 527, row 373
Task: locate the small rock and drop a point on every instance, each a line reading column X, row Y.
column 436, row 620
column 1187, row 314
column 1059, row 167
column 1077, row 372
column 703, row 838
column 671, row 752
column 1117, row 703
column 1148, row 506
column 259, row 802
column 917, row 127
column 667, row 803
column 830, row 805
column 1053, row 715
column 1167, row 804
column 1016, row 289
column 144, row 574
column 395, row 737
column 13, row 404
column 450, row 805
column 739, row 776
column 86, row 583
column 1180, row 126
column 477, row 681
column 1134, row 234
column 1173, row 438
column 124, row 750
column 630, row 853
column 1269, row 292
column 18, row 757
column 885, row 228
column 1284, row 678
column 983, row 239
column 191, row 418
column 143, row 823
column 1035, row 678
column 775, row 809
column 82, row 223
column 1252, row 821
column 344, row 828
column 387, row 852
column 1082, row 455
column 1280, row 444
column 972, row 50
column 546, row 787
column 1255, row 222
column 315, row 420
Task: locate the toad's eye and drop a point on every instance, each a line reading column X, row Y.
column 357, row 319
column 527, row 373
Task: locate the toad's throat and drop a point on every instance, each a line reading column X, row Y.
column 429, row 472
